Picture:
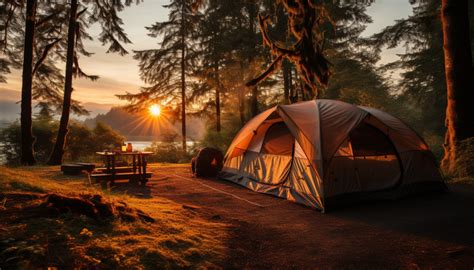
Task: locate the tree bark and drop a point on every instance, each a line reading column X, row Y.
column 183, row 77
column 254, row 102
column 218, row 98
column 294, row 87
column 27, row 139
column 251, row 31
column 242, row 95
column 459, row 79
column 60, row 144
column 287, row 81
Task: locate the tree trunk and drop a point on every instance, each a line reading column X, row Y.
column 287, row 84
column 254, row 101
column 293, row 89
column 218, row 98
column 242, row 106
column 459, row 79
column 251, row 31
column 27, row 139
column 242, row 95
column 183, row 78
column 60, row 144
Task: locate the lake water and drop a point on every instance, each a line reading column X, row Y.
column 141, row 145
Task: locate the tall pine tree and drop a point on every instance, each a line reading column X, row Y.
column 421, row 67
column 459, row 80
column 106, row 13
column 27, row 139
column 169, row 68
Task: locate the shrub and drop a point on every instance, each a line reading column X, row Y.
column 43, row 131
column 81, row 141
column 435, row 142
column 169, row 150
column 221, row 140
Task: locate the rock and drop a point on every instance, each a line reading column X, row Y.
column 216, row 217
column 189, row 207
column 456, row 252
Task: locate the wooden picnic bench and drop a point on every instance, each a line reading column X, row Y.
column 137, row 173
column 77, row 168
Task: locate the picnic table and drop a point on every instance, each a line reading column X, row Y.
column 135, row 173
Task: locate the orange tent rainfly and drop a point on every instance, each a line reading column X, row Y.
column 323, row 152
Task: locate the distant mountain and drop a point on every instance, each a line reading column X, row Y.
column 144, row 127
column 97, row 108
column 10, row 110
column 132, row 126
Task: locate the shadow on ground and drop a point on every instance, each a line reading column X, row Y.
column 430, row 231
column 134, row 190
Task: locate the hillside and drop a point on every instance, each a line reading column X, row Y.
column 138, row 127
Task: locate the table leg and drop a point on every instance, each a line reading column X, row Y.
column 139, row 165
column 107, row 163
column 113, row 169
column 134, row 162
column 144, row 169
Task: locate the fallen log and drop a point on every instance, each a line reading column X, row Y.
column 93, row 206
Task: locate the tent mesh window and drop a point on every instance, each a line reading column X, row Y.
column 278, row 140
column 366, row 161
column 367, row 140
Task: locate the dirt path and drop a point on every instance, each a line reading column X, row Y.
column 268, row 232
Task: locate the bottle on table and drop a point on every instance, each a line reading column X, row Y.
column 124, row 147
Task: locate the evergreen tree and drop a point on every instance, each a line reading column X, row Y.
column 215, row 39
column 306, row 22
column 169, row 68
column 9, row 14
column 50, row 27
column 422, row 82
column 59, row 146
column 355, row 77
column 421, row 67
column 320, row 35
column 27, row 139
column 41, row 78
column 45, row 113
column 459, row 79
column 104, row 12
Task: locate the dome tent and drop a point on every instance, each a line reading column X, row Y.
column 321, row 152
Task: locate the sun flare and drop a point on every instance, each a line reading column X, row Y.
column 155, row 110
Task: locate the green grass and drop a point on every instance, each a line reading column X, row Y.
column 178, row 239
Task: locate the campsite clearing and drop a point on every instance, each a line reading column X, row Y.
column 432, row 231
column 217, row 224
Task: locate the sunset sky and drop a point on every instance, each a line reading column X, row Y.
column 119, row 74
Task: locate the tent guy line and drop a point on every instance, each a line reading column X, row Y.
column 218, row 190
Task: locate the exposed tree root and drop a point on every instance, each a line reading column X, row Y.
column 92, row 206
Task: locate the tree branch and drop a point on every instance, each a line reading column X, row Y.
column 45, row 54
column 275, row 65
column 7, row 24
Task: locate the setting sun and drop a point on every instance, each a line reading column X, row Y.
column 155, row 110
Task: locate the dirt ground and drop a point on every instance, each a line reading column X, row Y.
column 435, row 231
